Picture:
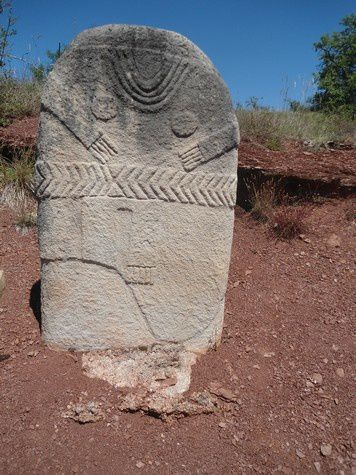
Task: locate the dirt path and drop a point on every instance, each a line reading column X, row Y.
column 286, row 353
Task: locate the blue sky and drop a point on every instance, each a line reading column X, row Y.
column 262, row 48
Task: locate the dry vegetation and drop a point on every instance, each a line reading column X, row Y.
column 17, row 187
column 263, row 198
column 289, row 222
column 284, row 217
column 272, row 128
column 18, row 98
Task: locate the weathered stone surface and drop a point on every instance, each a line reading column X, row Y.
column 136, row 180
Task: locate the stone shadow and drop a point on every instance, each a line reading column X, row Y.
column 35, row 301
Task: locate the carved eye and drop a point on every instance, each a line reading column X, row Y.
column 184, row 124
column 104, row 107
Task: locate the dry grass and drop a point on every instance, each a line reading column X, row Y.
column 273, row 207
column 25, row 211
column 17, row 187
column 271, row 128
column 19, row 172
column 288, row 222
column 18, row 98
column 263, row 198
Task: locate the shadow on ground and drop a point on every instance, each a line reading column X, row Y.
column 35, row 301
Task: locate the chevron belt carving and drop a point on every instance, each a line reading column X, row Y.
column 58, row 180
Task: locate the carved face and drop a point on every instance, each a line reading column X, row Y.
column 104, row 106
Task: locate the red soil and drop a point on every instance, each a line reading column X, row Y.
column 288, row 324
column 326, row 165
column 20, row 133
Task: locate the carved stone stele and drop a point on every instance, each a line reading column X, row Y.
column 136, row 179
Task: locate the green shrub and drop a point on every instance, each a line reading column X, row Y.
column 274, row 143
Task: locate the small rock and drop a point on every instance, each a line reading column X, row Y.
column 222, row 393
column 326, row 449
column 32, row 353
column 334, row 241
column 340, row 372
column 317, row 466
column 222, row 425
column 84, row 413
column 317, row 378
column 269, row 354
column 248, row 272
column 140, row 464
column 2, row 282
column 299, row 454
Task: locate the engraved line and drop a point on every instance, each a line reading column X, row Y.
column 93, row 262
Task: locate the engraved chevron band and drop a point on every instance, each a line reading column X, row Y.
column 58, row 180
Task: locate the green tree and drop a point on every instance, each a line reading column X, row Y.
column 40, row 72
column 7, row 30
column 297, row 106
column 336, row 79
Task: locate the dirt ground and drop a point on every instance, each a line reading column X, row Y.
column 296, row 160
column 286, row 354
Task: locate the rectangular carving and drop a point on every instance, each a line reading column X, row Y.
column 140, row 275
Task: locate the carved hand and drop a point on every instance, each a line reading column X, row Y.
column 103, row 149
